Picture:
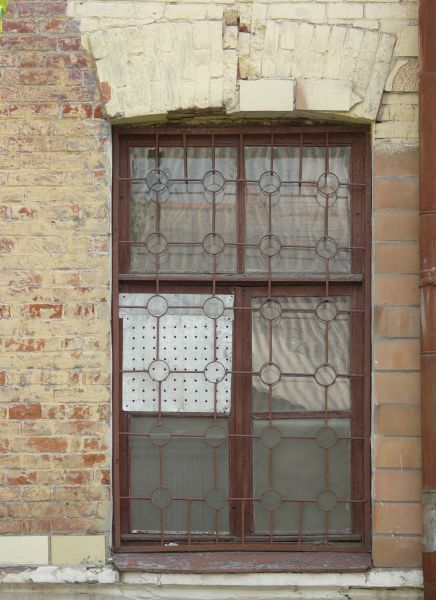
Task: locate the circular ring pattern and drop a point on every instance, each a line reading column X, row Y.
column 326, row 311
column 213, row 244
column 213, row 181
column 270, row 374
column 326, row 248
column 271, row 309
column 270, row 500
column 326, row 437
column 325, row 375
column 270, row 245
column 160, row 435
column 157, row 180
column 326, row 500
column 161, row 497
column 215, row 436
column 213, row 307
column 328, row 184
column 216, row 499
column 214, row 371
column 157, row 305
column 158, row 370
column 156, row 243
column 270, row 436
column 270, row 182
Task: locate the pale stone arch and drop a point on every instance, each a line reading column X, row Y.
column 153, row 59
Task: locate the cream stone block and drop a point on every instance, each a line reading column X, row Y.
column 267, row 95
column 407, row 44
column 24, row 550
column 331, row 95
column 78, row 549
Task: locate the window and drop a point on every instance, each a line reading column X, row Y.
column 241, row 338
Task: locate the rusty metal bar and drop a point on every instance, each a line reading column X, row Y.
column 427, row 203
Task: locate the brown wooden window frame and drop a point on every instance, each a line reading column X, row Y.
column 355, row 284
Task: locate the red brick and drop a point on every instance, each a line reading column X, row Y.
column 25, row 411
column 45, row 311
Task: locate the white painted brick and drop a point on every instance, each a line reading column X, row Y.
column 407, row 44
column 321, row 38
column 200, row 35
column 391, row 11
column 231, row 37
column 345, row 11
column 287, row 35
column 302, row 11
column 186, row 12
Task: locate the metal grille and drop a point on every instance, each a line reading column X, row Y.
column 243, row 377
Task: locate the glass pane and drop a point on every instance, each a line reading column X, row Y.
column 301, row 469
column 301, row 201
column 179, row 469
column 177, row 351
column 300, row 354
column 173, row 211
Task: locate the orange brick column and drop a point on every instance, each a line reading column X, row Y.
column 397, row 459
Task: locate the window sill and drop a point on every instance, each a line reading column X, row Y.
column 242, row 562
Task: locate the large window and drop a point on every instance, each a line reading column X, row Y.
column 241, row 338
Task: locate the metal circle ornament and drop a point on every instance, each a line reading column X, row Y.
column 326, row 248
column 156, row 243
column 270, row 437
column 326, row 501
column 270, row 500
column 270, row 245
column 157, row 305
column 213, row 181
column 326, row 311
column 216, row 499
column 215, row 436
column 214, row 372
column 271, row 309
column 160, row 435
column 157, row 180
column 213, row 244
column 270, row 374
column 161, row 497
column 213, row 307
column 325, row 375
column 326, row 437
column 270, row 182
column 328, row 184
column 158, row 370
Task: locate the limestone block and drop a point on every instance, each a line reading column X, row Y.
column 78, row 549
column 407, row 44
column 267, row 95
column 24, row 550
column 331, row 95
column 404, row 76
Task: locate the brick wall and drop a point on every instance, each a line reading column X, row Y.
column 55, row 255
column 54, row 287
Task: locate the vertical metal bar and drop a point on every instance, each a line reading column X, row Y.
column 241, row 208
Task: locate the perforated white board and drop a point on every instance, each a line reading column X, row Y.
column 186, row 343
